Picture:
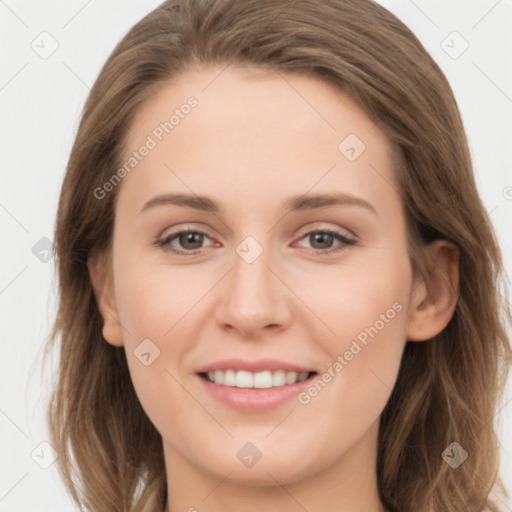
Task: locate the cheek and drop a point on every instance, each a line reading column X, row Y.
column 367, row 313
column 371, row 306
column 154, row 303
column 362, row 301
column 155, row 300
column 364, row 308
column 156, row 308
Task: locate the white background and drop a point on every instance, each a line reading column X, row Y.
column 40, row 102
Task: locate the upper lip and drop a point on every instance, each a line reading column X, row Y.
column 253, row 366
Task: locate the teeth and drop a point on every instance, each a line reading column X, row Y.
column 259, row 380
column 279, row 378
column 243, row 379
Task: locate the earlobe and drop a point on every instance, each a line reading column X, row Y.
column 101, row 279
column 433, row 300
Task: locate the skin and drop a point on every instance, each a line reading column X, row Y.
column 255, row 139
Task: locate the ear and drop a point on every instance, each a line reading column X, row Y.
column 102, row 282
column 433, row 300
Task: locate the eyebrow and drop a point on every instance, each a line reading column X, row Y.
column 294, row 203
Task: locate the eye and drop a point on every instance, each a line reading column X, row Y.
column 323, row 237
column 188, row 239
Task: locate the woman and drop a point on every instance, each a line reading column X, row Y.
column 250, row 371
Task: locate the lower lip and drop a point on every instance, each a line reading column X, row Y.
column 255, row 400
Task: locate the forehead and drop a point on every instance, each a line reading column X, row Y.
column 258, row 98
column 258, row 91
column 217, row 129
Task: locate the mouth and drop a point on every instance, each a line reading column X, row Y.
column 265, row 379
column 254, row 385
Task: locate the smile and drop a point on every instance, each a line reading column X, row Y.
column 259, row 380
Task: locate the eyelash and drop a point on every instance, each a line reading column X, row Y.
column 164, row 243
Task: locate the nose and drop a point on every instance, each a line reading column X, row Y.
column 255, row 299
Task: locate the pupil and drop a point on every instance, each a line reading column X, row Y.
column 323, row 237
column 189, row 237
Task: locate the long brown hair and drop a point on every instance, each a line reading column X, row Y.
column 448, row 388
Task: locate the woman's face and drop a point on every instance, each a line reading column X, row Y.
column 273, row 282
